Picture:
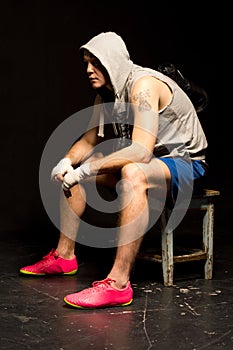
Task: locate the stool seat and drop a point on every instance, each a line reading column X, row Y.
column 203, row 201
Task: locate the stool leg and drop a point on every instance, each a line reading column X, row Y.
column 208, row 233
column 167, row 253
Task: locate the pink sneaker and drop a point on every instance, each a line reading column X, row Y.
column 101, row 294
column 52, row 264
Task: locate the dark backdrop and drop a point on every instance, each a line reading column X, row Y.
column 42, row 82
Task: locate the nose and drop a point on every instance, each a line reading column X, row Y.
column 90, row 68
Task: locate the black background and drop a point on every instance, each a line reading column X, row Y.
column 43, row 83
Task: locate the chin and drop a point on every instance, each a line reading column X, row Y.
column 97, row 86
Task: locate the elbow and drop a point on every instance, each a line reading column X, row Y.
column 142, row 154
column 146, row 156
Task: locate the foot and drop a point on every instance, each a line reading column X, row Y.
column 101, row 294
column 52, row 264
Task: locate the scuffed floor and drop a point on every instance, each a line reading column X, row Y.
column 194, row 314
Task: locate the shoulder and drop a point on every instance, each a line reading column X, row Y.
column 146, row 86
column 146, row 82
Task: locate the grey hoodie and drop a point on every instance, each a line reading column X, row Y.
column 179, row 132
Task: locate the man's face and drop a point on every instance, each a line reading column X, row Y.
column 96, row 72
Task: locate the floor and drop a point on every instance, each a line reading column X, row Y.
column 194, row 314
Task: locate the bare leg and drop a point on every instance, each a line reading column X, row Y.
column 71, row 209
column 135, row 215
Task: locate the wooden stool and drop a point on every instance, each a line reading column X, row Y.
column 203, row 201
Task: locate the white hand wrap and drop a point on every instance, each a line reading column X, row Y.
column 61, row 168
column 75, row 176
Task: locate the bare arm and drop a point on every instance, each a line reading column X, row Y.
column 80, row 149
column 145, row 104
column 148, row 95
column 83, row 147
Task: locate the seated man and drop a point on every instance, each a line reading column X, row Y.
column 159, row 138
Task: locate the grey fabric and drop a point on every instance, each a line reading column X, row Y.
column 180, row 132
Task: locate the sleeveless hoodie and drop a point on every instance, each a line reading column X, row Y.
column 180, row 133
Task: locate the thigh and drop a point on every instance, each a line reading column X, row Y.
column 158, row 183
column 157, row 174
column 107, row 180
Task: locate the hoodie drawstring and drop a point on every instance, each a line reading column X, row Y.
column 101, row 123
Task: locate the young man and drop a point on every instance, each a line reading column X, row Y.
column 158, row 140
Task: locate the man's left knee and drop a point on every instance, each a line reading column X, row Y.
column 134, row 174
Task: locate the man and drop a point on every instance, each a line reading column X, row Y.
column 158, row 140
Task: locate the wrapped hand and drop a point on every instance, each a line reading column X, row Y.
column 75, row 176
column 63, row 167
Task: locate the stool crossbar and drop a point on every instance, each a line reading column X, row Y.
column 204, row 202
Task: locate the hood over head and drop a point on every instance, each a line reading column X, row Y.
column 111, row 50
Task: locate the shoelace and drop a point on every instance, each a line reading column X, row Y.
column 106, row 282
column 51, row 253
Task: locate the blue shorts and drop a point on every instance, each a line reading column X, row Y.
column 184, row 173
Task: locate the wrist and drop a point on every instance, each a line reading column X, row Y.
column 67, row 160
column 84, row 170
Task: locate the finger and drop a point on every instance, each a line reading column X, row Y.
column 58, row 178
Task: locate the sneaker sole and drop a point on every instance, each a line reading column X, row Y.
column 96, row 307
column 25, row 272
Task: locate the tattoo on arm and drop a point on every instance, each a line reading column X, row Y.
column 142, row 98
